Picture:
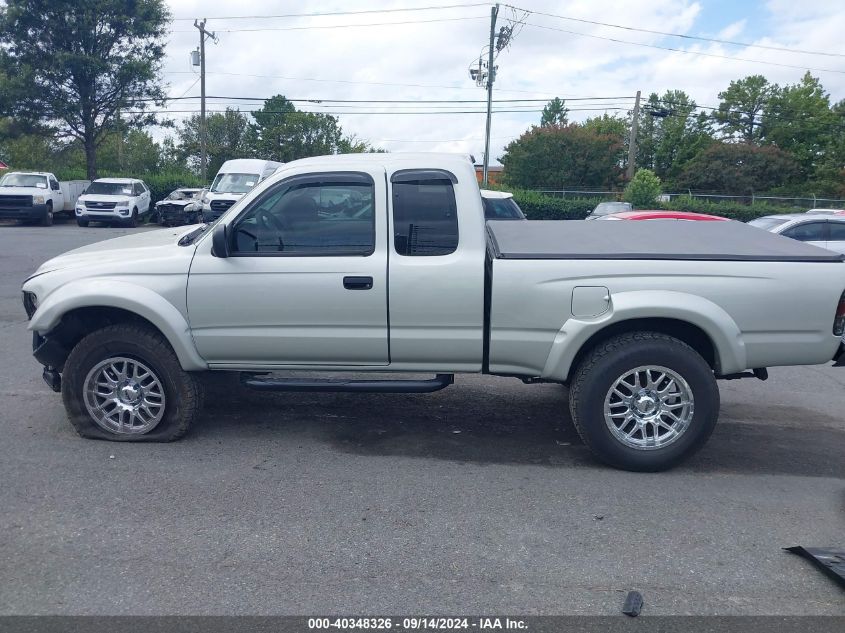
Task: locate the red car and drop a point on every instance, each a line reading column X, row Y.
column 663, row 215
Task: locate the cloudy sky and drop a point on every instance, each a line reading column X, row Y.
column 424, row 55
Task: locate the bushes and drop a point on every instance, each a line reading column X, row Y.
column 643, row 189
column 160, row 184
column 538, row 206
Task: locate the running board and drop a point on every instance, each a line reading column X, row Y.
column 440, row 381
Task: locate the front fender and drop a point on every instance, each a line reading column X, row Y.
column 87, row 293
column 644, row 304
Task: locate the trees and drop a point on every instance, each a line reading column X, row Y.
column 557, row 156
column 282, row 133
column 643, row 189
column 555, row 112
column 799, row 119
column 739, row 168
column 741, row 107
column 226, row 137
column 81, row 65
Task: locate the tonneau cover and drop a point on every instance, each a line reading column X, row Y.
column 651, row 239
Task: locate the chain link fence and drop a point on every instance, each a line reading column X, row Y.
column 798, row 202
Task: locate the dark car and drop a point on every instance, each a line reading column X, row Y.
column 182, row 206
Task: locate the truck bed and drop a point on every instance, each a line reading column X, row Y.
column 653, row 240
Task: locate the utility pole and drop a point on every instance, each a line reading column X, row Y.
column 203, row 133
column 632, row 141
column 491, row 76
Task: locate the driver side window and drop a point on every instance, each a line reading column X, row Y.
column 328, row 215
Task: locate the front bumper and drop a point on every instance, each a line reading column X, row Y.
column 35, row 212
column 102, row 216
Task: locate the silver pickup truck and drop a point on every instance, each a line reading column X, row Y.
column 384, row 264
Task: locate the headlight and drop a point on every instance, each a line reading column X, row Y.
column 38, row 199
column 30, row 303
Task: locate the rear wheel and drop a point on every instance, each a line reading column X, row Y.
column 124, row 383
column 644, row 401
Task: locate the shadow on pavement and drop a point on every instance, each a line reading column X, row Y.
column 490, row 421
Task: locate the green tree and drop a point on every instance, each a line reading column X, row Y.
column 555, row 112
column 608, row 124
column 799, row 119
column 739, row 168
column 227, row 137
column 741, row 107
column 282, row 133
column 643, row 189
column 79, row 64
column 563, row 156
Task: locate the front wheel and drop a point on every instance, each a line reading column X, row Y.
column 47, row 220
column 644, row 401
column 124, row 383
column 82, row 221
column 132, row 222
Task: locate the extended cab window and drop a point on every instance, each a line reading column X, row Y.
column 425, row 216
column 329, row 214
column 808, row 232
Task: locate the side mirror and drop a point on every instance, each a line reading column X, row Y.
column 220, row 242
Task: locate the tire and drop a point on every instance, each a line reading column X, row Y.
column 142, row 346
column 132, row 222
column 82, row 221
column 596, row 408
column 47, row 220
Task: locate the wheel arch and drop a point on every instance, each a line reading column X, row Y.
column 78, row 309
column 696, row 321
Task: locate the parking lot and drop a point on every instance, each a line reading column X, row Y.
column 476, row 499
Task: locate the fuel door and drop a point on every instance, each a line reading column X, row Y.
column 590, row 301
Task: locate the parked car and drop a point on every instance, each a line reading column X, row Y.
column 500, row 205
column 639, row 319
column 113, row 201
column 234, row 179
column 37, row 196
column 663, row 215
column 181, row 206
column 819, row 229
column 606, row 208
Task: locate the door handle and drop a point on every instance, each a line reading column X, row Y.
column 358, row 283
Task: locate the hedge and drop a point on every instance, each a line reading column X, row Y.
column 538, row 206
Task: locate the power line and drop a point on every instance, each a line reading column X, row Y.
column 336, row 13
column 426, row 112
column 344, row 26
column 680, row 50
column 414, row 101
column 358, row 82
column 680, row 35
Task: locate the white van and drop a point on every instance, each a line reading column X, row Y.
column 234, row 179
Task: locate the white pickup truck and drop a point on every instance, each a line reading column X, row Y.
column 384, row 264
column 36, row 196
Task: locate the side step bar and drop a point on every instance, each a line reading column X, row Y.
column 440, row 381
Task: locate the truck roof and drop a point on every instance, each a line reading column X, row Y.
column 118, row 180
column 29, row 173
column 705, row 241
column 419, row 159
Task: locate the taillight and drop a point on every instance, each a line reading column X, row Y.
column 839, row 319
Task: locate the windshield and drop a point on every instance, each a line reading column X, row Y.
column 768, row 223
column 184, row 194
column 501, row 209
column 234, row 183
column 604, row 208
column 24, row 180
column 110, row 188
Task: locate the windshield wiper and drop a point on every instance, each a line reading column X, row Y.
column 187, row 240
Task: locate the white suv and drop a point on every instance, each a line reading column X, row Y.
column 113, row 201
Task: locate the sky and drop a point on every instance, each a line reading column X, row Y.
column 425, row 55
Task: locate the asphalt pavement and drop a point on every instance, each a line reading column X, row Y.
column 479, row 499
